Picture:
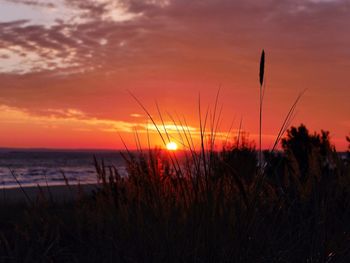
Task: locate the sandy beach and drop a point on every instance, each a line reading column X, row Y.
column 59, row 193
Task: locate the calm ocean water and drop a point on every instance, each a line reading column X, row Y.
column 33, row 167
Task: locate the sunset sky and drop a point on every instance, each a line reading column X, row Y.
column 67, row 68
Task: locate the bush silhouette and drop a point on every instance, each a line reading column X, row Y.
column 308, row 150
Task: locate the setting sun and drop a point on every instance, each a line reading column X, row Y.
column 171, row 146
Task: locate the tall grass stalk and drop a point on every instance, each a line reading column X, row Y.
column 261, row 97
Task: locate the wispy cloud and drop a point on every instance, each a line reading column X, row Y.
column 75, row 118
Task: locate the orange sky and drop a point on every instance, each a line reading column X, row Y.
column 67, row 67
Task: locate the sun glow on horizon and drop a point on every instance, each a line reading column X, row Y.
column 171, row 146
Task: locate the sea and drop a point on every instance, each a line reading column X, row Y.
column 46, row 167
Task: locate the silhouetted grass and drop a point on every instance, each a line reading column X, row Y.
column 169, row 210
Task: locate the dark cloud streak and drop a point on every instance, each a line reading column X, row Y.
column 32, row 3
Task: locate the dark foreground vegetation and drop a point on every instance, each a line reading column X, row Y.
column 206, row 206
